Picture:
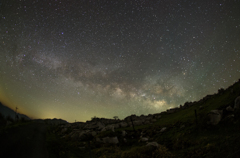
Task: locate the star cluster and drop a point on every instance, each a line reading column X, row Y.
column 78, row 59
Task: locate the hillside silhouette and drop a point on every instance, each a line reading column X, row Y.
column 7, row 112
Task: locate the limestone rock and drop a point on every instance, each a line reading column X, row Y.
column 74, row 134
column 116, row 126
column 94, row 125
column 104, row 129
column 214, row 116
column 123, row 124
column 86, row 136
column 63, row 130
column 110, row 128
column 148, row 118
column 143, row 139
column 237, row 104
column 124, row 133
column 100, row 125
column 137, row 123
column 229, row 108
column 163, row 129
column 153, row 120
column 155, row 144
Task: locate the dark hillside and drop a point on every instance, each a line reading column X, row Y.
column 7, row 112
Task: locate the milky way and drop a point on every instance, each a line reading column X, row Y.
column 79, row 59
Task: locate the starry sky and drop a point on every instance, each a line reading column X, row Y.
column 76, row 59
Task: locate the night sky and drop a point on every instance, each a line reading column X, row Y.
column 76, row 59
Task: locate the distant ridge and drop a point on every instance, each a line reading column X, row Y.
column 6, row 111
column 54, row 121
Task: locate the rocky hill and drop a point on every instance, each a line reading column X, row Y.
column 205, row 128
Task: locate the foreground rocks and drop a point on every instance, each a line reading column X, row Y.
column 237, row 104
column 105, row 132
column 110, row 140
column 215, row 117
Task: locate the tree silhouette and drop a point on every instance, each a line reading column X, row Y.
column 115, row 117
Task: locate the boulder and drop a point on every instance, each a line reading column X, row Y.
column 110, row 140
column 63, row 130
column 116, row 126
column 229, row 108
column 81, row 134
column 214, row 117
column 85, row 135
column 153, row 120
column 163, row 129
column 90, row 125
column 123, row 124
column 94, row 125
column 137, row 123
column 148, row 118
column 104, row 129
column 110, row 128
column 74, row 134
column 124, row 133
column 237, row 104
column 154, row 144
column 143, row 139
column 100, row 125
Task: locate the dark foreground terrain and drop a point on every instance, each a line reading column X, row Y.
column 26, row 140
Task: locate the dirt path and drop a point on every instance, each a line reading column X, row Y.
column 27, row 141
